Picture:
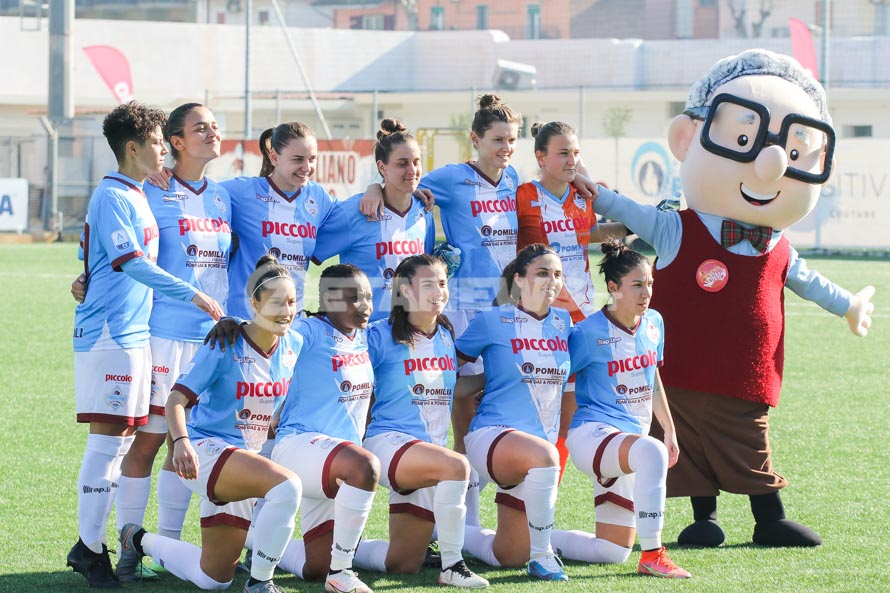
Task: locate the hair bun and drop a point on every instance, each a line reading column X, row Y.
column 536, row 127
column 489, row 101
column 390, row 126
column 613, row 248
column 267, row 260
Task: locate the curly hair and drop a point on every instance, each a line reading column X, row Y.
column 131, row 121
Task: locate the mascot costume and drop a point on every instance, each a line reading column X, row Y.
column 755, row 145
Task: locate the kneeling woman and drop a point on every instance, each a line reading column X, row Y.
column 415, row 367
column 215, row 452
column 524, row 345
column 320, row 432
column 608, row 439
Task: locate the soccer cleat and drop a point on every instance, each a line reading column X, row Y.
column 547, row 568
column 433, row 558
column 458, row 575
column 656, row 563
column 130, row 568
column 261, row 587
column 96, row 568
column 155, row 567
column 345, row 581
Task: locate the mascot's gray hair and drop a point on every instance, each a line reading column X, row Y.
column 754, row 62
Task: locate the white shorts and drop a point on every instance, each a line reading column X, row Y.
column 212, row 455
column 460, row 319
column 479, row 444
column 612, row 494
column 168, row 359
column 113, row 386
column 389, row 448
column 309, row 455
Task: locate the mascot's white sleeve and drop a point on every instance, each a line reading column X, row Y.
column 813, row 286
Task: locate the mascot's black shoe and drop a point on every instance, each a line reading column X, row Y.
column 704, row 533
column 785, row 534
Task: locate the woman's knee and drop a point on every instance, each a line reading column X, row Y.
column 359, row 468
column 454, row 466
column 648, row 454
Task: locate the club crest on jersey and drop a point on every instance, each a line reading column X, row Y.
column 116, row 398
column 559, row 323
column 220, row 205
column 653, row 332
column 120, row 240
column 289, row 359
column 311, row 206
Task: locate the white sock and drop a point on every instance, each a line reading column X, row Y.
column 96, row 488
column 351, row 509
column 450, row 511
column 293, row 558
column 371, row 555
column 540, row 506
column 173, row 504
column 273, row 527
column 122, row 450
column 478, row 542
column 474, row 489
column 648, row 458
column 586, row 547
column 132, row 498
column 180, row 558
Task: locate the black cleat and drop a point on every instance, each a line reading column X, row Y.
column 96, row 568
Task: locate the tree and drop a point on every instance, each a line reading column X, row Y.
column 739, row 11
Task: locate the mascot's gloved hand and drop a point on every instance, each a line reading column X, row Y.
column 858, row 316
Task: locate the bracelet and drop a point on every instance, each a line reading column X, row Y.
column 185, row 436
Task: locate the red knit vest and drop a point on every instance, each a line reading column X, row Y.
column 724, row 317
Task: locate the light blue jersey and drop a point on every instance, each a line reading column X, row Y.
column 333, row 383
column 238, row 392
column 415, row 384
column 615, row 370
column 376, row 247
column 479, row 217
column 526, row 367
column 119, row 227
column 269, row 221
column 194, row 219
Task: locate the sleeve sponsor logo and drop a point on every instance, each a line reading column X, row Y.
column 120, row 240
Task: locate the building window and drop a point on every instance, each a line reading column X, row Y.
column 482, row 16
column 533, row 14
column 263, row 17
column 220, row 18
column 857, row 132
column 437, row 18
column 376, row 22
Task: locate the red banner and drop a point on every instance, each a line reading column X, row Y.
column 802, row 46
column 114, row 69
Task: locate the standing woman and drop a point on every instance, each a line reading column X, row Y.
column 510, row 442
column 280, row 214
column 551, row 211
column 112, row 359
column 320, row 432
column 615, row 355
column 234, row 394
column 404, row 229
column 194, row 217
column 415, row 368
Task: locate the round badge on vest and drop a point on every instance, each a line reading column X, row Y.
column 712, row 275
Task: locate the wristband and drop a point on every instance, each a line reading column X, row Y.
column 185, row 436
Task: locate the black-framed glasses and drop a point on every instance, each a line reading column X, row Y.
column 738, row 129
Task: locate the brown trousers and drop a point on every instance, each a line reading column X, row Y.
column 724, row 445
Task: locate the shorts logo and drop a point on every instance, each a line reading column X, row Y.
column 418, row 389
column 528, row 368
column 712, row 275
column 120, row 240
column 116, row 398
column 346, row 386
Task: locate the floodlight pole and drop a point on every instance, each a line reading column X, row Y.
column 826, row 34
column 60, row 105
column 248, row 14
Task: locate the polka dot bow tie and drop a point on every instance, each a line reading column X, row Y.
column 732, row 232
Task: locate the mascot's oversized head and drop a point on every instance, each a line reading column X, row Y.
column 755, row 141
